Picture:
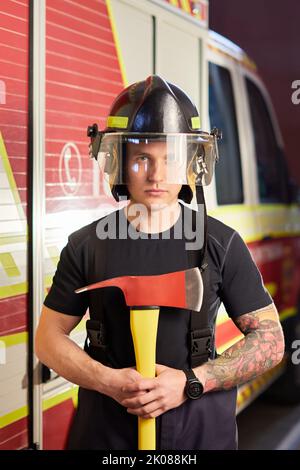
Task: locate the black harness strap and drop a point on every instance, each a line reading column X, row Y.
column 201, row 335
column 96, row 343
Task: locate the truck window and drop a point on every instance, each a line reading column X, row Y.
column 222, row 115
column 271, row 167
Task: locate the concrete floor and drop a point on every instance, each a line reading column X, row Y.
column 265, row 426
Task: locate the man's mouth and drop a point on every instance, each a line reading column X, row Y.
column 155, row 191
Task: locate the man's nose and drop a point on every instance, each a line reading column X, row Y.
column 157, row 171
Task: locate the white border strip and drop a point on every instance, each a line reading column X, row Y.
column 38, row 203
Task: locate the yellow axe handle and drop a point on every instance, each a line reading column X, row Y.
column 143, row 325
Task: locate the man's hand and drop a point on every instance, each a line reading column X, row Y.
column 116, row 382
column 158, row 395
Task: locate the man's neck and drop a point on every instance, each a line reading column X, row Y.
column 152, row 219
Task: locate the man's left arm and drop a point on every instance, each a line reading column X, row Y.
column 262, row 348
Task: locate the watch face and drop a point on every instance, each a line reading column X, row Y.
column 194, row 389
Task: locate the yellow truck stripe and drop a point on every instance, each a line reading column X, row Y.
column 13, row 340
column 48, row 403
column 117, row 42
column 9, row 265
column 13, row 416
column 60, row 398
column 186, row 5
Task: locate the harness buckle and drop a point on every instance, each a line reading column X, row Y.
column 201, row 345
column 96, row 334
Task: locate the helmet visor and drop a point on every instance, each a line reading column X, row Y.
column 168, row 158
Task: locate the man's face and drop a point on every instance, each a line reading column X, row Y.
column 147, row 175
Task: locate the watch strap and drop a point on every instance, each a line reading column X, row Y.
column 190, row 374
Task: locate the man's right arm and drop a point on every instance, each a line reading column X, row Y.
column 55, row 349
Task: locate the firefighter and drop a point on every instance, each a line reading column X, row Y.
column 154, row 153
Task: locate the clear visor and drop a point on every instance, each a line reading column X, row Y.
column 168, row 158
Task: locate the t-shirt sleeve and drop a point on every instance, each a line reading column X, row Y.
column 242, row 288
column 68, row 277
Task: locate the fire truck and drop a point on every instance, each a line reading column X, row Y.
column 62, row 62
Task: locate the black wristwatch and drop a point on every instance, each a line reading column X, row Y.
column 194, row 388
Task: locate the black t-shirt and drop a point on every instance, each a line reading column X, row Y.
column 234, row 280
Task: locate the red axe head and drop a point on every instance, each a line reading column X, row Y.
column 181, row 289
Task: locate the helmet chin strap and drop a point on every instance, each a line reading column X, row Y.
column 201, row 200
column 200, row 195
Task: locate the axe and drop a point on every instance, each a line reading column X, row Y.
column 145, row 295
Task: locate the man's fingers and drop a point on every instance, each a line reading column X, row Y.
column 141, row 385
column 152, row 410
column 131, row 395
column 154, row 414
column 139, row 401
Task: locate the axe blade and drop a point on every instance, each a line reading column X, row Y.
column 194, row 289
column 180, row 289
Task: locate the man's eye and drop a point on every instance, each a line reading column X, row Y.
column 142, row 158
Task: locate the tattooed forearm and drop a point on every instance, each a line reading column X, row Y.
column 261, row 349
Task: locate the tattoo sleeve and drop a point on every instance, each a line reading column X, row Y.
column 261, row 349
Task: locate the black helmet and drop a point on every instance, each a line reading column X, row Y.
column 150, row 110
